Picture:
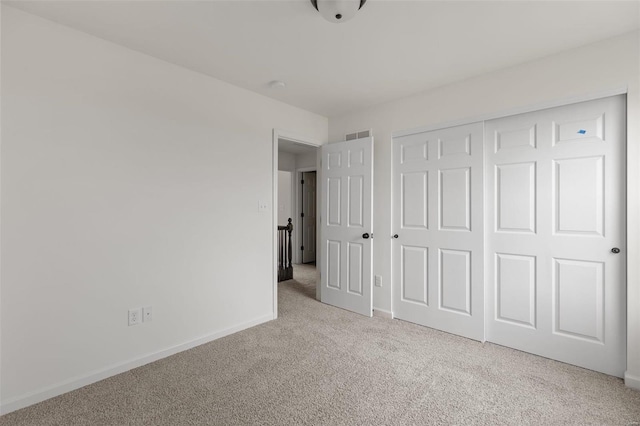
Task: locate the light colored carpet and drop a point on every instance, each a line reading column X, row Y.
column 319, row 365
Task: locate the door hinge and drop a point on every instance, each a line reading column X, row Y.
column 301, row 247
column 301, row 214
column 302, row 182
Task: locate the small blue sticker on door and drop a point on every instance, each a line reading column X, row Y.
column 582, row 131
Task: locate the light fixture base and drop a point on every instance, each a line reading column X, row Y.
column 337, row 11
column 277, row 84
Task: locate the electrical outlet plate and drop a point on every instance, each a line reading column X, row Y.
column 147, row 313
column 263, row 206
column 135, row 316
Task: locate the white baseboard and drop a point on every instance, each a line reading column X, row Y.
column 631, row 381
column 382, row 313
column 101, row 374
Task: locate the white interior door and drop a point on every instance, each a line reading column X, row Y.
column 555, row 210
column 438, row 220
column 347, row 224
column 309, row 218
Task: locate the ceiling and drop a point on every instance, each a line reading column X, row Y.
column 391, row 49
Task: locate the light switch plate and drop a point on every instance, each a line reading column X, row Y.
column 147, row 313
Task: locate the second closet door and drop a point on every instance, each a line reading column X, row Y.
column 556, row 233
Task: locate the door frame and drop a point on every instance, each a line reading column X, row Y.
column 304, row 140
column 631, row 377
column 298, row 209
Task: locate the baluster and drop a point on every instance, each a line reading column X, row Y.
column 284, row 251
column 289, row 229
column 281, row 247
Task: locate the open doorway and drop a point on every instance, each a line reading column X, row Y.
column 295, row 212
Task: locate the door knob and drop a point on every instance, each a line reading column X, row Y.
column 395, row 235
column 365, row 235
column 615, row 250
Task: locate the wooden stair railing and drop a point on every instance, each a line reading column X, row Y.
column 285, row 270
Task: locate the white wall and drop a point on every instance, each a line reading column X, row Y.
column 284, row 197
column 290, row 162
column 286, row 161
column 601, row 66
column 306, row 160
column 124, row 179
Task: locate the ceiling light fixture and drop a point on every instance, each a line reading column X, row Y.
column 277, row 84
column 338, row 10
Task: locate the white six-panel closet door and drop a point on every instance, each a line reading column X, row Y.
column 438, row 230
column 556, row 251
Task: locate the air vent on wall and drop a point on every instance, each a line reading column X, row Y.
column 359, row 135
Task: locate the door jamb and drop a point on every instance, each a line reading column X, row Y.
column 304, row 140
column 297, row 210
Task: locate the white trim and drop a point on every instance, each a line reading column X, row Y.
column 485, row 234
column 631, row 381
column 622, row 90
column 274, row 223
column 382, row 313
column 284, row 134
column 101, row 374
column 0, row 230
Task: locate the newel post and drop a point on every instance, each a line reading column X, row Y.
column 289, row 230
